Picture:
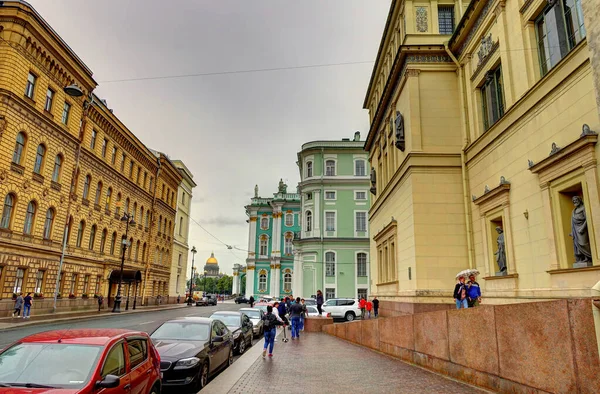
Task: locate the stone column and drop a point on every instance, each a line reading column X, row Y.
column 250, row 272
column 591, row 16
column 252, row 237
column 297, row 288
column 277, row 278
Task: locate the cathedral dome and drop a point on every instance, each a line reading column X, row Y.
column 212, row 259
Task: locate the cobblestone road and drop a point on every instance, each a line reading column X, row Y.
column 319, row 363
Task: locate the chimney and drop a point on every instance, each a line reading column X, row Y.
column 357, row 136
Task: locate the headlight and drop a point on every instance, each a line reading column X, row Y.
column 186, row 363
column 236, row 334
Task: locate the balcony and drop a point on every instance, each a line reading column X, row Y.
column 85, row 202
column 97, row 207
column 56, row 186
column 37, row 177
column 14, row 167
column 107, row 211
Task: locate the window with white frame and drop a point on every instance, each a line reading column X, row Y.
column 360, row 195
column 264, row 245
column 308, row 221
column 288, row 244
column 39, row 281
column 289, row 219
column 309, row 169
column 308, row 196
column 330, row 168
column 329, row 221
column 262, row 281
column 330, row 195
column 361, row 221
column 359, row 168
column 18, row 287
column 329, row 264
column 73, row 287
column 329, row 293
column 362, row 293
column 264, row 223
column 30, row 88
column 361, row 264
column 287, row 282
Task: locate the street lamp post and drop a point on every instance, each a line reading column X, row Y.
column 192, row 276
column 128, row 219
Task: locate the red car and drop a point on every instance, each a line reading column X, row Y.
column 81, row 361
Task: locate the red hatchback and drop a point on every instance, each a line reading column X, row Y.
column 108, row 361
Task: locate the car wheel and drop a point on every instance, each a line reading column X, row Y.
column 203, row 376
column 242, row 346
column 349, row 316
column 230, row 359
column 155, row 390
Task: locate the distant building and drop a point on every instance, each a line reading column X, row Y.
column 211, row 268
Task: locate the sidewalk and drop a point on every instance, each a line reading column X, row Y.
column 8, row 323
column 326, row 364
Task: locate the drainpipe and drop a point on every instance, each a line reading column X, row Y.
column 465, row 179
column 152, row 221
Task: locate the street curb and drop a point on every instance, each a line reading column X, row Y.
column 84, row 318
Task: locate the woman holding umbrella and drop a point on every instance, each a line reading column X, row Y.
column 460, row 293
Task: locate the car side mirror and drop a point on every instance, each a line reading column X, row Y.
column 217, row 339
column 109, row 382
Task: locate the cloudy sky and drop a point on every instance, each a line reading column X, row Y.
column 233, row 128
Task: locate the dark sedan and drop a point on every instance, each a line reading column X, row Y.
column 191, row 350
column 242, row 300
column 241, row 327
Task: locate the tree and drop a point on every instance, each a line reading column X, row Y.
column 243, row 285
column 225, row 284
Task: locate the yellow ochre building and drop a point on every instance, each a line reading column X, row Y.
column 483, row 148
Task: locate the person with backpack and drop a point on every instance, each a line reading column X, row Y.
column 270, row 323
column 460, row 294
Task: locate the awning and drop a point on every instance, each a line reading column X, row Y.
column 128, row 276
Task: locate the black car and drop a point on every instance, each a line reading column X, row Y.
column 209, row 299
column 191, row 350
column 242, row 300
column 241, row 327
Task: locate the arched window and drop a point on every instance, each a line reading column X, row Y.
column 137, row 250
column 80, row 233
column 287, row 282
column 289, row 219
column 103, row 240
column 134, row 211
column 126, row 206
column 9, row 204
column 144, row 252
column 57, row 168
column 86, row 186
column 169, row 228
column 118, row 207
column 161, row 255
column 288, row 247
column 165, row 226
column 264, row 245
column 361, row 264
column 309, row 169
column 19, row 148
column 147, row 218
column 48, row 223
column 39, row 159
column 113, row 240
column 141, row 214
column 29, row 217
column 262, row 281
column 330, row 264
column 130, row 246
column 108, row 198
column 308, row 221
column 330, row 168
column 92, row 237
column 98, row 193
column 264, row 223
column 180, row 226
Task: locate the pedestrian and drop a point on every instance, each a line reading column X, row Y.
column 369, row 308
column 295, row 313
column 18, row 305
column 362, row 304
column 270, row 323
column 100, row 301
column 27, row 301
column 376, row 306
column 178, row 298
column 460, row 294
column 303, row 315
column 282, row 311
column 288, row 302
column 251, row 302
column 473, row 292
column 320, row 302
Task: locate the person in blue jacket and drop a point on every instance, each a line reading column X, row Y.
column 473, row 292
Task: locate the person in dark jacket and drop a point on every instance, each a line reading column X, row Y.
column 270, row 323
column 473, row 292
column 460, row 294
column 251, row 302
column 376, row 306
column 319, row 302
column 282, row 312
column 296, row 310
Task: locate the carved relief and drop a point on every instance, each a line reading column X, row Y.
column 485, row 48
column 422, row 19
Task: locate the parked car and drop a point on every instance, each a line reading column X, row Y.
column 242, row 300
column 342, row 308
column 81, row 361
column 209, row 299
column 314, row 312
column 310, row 301
column 192, row 350
column 241, row 327
column 255, row 315
column 262, row 306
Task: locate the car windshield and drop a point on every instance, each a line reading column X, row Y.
column 311, row 309
column 229, row 320
column 263, row 308
column 57, row 365
column 182, row 331
column 253, row 314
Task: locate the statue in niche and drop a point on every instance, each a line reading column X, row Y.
column 580, row 235
column 400, row 138
column 373, row 181
column 501, row 253
column 255, row 191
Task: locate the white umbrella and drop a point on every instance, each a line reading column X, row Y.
column 467, row 273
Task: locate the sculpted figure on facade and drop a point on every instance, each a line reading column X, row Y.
column 373, row 181
column 400, row 135
column 255, row 191
column 501, row 253
column 580, row 234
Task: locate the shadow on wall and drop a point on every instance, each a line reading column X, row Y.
column 549, row 346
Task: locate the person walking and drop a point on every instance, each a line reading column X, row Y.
column 296, row 310
column 319, row 302
column 376, row 306
column 460, row 294
column 178, row 298
column 303, row 315
column 100, row 301
column 27, row 301
column 18, row 305
column 251, row 302
column 369, row 308
column 362, row 304
column 270, row 323
column 473, row 292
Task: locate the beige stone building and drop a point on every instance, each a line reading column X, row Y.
column 477, row 122
column 69, row 171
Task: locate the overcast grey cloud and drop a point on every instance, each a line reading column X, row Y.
column 232, row 130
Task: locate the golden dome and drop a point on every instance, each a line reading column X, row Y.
column 211, row 259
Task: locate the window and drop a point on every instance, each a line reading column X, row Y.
column 361, row 264
column 86, row 186
column 151, row 183
column 329, row 293
column 264, row 245
column 264, row 223
column 330, row 264
column 330, row 195
column 288, row 244
column 308, row 196
column 57, row 167
column 103, row 240
column 492, row 97
column 117, row 206
column 104, row 146
column 18, row 287
column 65, row 113
column 159, row 222
column 287, row 282
column 19, row 147
column 80, row 233
column 49, row 98
column 113, row 158
column 330, row 168
column 147, row 218
column 137, row 179
column 446, row 19
column 29, row 216
column 308, row 221
column 48, row 223
column 98, row 193
column 359, row 168
column 179, row 260
column 108, row 198
column 123, row 159
column 126, row 211
column 183, row 199
column 113, row 240
column 97, row 287
column 61, row 282
column 115, row 362
column 361, row 221
column 559, row 28
column 329, row 221
column 138, row 351
column 360, row 195
column 262, row 281
column 362, row 293
column 39, row 159
column 93, row 143
column 39, row 281
column 9, row 203
column 144, row 252
column 29, row 89
column 137, row 251
column 133, row 212
column 131, row 169
column 180, row 226
column 309, row 169
column 92, row 237
column 289, row 219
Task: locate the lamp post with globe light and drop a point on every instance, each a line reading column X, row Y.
column 128, row 219
column 192, row 277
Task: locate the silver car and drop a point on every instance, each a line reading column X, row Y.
column 255, row 315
